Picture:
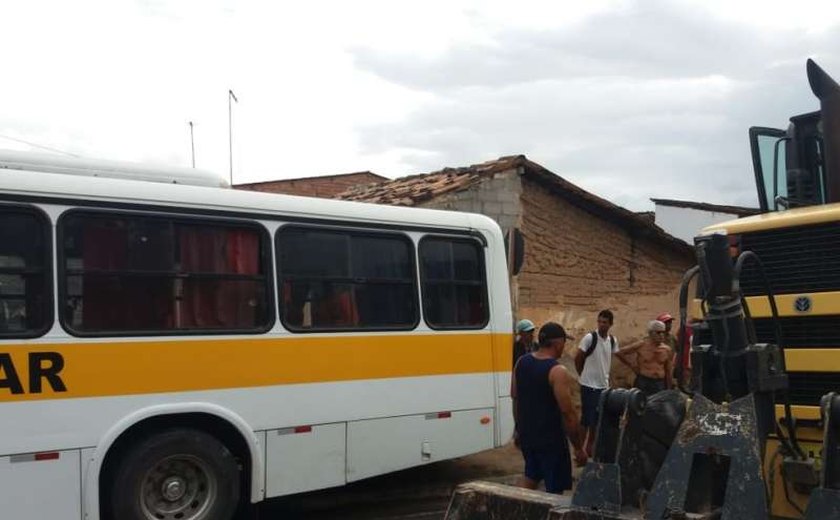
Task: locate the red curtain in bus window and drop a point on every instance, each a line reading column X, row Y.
column 113, row 299
column 213, row 302
column 104, row 250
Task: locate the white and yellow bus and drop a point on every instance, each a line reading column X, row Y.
column 170, row 349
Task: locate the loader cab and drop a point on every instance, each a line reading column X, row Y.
column 800, row 166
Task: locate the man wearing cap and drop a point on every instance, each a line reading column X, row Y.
column 668, row 320
column 524, row 341
column 544, row 415
column 654, row 360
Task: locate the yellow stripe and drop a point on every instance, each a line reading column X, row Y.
column 822, row 304
column 812, row 359
column 779, row 220
column 122, row 368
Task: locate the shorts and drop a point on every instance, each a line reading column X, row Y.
column 553, row 465
column 649, row 385
column 590, row 403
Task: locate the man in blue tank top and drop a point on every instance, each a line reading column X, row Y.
column 544, row 415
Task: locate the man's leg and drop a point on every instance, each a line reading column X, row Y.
column 590, row 399
column 557, row 468
column 533, row 471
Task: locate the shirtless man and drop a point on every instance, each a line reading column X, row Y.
column 654, row 360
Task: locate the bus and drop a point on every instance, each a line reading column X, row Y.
column 171, row 348
column 797, row 239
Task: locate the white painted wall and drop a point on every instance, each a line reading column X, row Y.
column 686, row 223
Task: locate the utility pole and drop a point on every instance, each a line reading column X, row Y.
column 192, row 144
column 231, row 96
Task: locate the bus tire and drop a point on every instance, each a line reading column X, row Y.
column 182, row 474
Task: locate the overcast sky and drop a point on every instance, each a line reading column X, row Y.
column 628, row 99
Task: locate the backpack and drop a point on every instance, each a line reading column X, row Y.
column 593, row 342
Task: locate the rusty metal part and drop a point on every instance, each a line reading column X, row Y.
column 714, row 464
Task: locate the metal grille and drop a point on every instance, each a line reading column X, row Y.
column 801, row 259
column 807, row 388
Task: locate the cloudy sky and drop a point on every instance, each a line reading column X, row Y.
column 629, row 99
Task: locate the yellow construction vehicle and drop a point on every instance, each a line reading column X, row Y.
column 756, row 432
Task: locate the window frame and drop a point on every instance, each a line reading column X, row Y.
column 48, row 268
column 188, row 218
column 351, row 231
column 482, row 260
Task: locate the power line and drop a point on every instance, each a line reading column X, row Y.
column 28, row 143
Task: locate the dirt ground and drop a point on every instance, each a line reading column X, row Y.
column 418, row 493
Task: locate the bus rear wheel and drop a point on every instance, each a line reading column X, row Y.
column 179, row 474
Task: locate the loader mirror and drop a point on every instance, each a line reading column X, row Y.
column 516, row 256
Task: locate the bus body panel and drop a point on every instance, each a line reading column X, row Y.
column 328, row 385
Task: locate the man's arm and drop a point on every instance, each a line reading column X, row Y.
column 669, row 370
column 624, row 354
column 561, row 383
column 580, row 353
column 514, row 402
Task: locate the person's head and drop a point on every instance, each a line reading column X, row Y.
column 656, row 330
column 552, row 338
column 667, row 319
column 525, row 331
column 605, row 321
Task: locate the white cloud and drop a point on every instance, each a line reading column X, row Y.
column 631, row 99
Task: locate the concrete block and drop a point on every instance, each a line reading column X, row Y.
column 491, row 208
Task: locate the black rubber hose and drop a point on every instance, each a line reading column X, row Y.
column 777, row 330
column 686, row 281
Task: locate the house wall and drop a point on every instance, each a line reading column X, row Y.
column 577, row 264
column 686, row 223
column 323, row 187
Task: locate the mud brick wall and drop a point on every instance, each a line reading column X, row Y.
column 577, row 264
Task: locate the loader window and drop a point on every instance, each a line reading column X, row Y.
column 768, row 157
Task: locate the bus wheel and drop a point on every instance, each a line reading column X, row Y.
column 181, row 474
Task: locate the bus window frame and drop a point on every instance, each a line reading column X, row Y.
column 189, row 218
column 482, row 246
column 374, row 232
column 48, row 267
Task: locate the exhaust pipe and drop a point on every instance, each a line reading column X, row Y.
column 828, row 92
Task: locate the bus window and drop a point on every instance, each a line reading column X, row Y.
column 129, row 273
column 345, row 280
column 454, row 288
column 25, row 295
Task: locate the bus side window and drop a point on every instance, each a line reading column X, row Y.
column 453, row 283
column 25, row 291
column 153, row 274
column 345, row 280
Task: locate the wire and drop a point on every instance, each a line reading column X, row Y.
column 28, row 143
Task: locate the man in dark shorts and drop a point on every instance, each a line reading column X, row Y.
column 544, row 415
column 593, row 360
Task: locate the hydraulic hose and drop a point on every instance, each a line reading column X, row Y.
column 686, row 281
column 777, row 331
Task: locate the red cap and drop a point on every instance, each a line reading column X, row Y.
column 664, row 317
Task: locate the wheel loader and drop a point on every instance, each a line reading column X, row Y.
column 726, row 444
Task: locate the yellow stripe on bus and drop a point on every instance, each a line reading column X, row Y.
column 95, row 368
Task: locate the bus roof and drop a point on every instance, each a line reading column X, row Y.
column 52, row 163
column 38, row 185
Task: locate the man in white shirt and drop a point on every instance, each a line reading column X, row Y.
column 593, row 360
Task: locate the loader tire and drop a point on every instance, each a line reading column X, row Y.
column 647, row 439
